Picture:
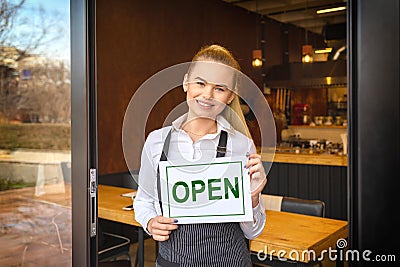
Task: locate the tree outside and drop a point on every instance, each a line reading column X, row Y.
column 33, row 86
column 35, row 140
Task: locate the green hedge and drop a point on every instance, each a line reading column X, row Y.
column 7, row 184
column 35, row 136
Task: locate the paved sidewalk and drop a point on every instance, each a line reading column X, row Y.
column 35, row 156
column 35, row 230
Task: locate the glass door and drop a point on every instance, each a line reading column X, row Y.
column 84, row 133
column 35, row 134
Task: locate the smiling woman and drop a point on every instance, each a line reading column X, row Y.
column 206, row 132
column 206, row 99
column 212, row 78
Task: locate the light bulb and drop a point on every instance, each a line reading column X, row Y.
column 307, row 58
column 257, row 62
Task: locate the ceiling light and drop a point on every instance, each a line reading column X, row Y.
column 307, row 58
column 328, row 80
column 334, row 9
column 257, row 58
column 306, row 54
column 323, row 51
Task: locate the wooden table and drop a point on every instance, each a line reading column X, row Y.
column 283, row 233
column 291, row 234
column 111, row 203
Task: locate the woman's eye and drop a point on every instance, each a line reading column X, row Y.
column 202, row 84
column 221, row 89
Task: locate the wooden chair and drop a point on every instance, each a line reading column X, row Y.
column 294, row 205
column 113, row 250
column 303, row 206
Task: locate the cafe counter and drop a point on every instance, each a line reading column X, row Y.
column 309, row 176
column 314, row 159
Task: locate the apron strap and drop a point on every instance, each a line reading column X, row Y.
column 221, row 151
column 164, row 154
column 221, row 148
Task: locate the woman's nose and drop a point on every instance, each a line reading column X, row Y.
column 208, row 91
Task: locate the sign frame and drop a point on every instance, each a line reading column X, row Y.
column 217, row 211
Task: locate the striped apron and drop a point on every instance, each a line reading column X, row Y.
column 206, row 244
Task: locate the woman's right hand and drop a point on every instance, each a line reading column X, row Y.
column 161, row 227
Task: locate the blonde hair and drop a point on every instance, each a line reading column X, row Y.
column 222, row 55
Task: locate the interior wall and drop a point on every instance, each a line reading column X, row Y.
column 136, row 39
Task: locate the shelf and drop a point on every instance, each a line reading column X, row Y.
column 318, row 126
column 315, row 159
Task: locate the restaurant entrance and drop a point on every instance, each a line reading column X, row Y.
column 373, row 78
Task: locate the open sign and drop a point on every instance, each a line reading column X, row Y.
column 206, row 192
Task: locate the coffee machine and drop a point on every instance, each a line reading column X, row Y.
column 301, row 114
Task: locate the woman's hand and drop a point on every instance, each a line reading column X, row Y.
column 258, row 178
column 161, row 227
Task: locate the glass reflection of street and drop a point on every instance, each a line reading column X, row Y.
column 36, row 230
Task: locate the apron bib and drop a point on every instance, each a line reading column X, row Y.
column 204, row 244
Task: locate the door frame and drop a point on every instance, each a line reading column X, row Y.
column 83, row 132
column 373, row 82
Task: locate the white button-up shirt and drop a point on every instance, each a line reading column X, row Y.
column 181, row 147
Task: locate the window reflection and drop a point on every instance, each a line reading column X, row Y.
column 35, row 139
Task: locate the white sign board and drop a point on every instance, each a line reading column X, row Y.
column 205, row 192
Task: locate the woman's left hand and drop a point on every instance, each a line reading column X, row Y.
column 258, row 178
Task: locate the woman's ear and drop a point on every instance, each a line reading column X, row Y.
column 231, row 98
column 184, row 84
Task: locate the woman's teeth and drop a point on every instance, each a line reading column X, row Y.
column 204, row 104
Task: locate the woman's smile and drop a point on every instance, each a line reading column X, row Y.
column 205, row 103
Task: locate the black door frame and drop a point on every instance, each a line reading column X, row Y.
column 373, row 82
column 84, row 133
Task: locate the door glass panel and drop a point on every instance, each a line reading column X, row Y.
column 35, row 139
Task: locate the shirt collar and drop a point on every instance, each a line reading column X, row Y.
column 222, row 124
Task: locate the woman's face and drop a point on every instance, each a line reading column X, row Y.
column 209, row 87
